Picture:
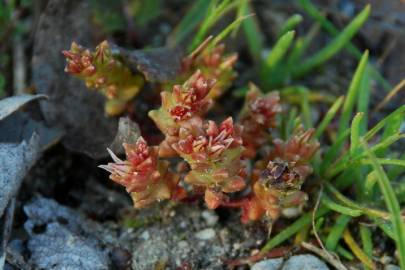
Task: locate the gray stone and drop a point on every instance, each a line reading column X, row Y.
column 270, row 264
column 210, row 217
column 15, row 162
column 392, row 267
column 61, row 238
column 205, row 234
column 58, row 248
column 304, row 262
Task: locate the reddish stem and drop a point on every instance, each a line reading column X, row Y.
column 274, row 253
column 235, row 204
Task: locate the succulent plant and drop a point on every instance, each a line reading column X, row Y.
column 216, row 154
column 100, row 70
column 278, row 184
column 257, row 116
column 213, row 64
column 144, row 176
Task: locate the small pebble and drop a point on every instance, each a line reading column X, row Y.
column 304, row 262
column 210, row 217
column 236, row 246
column 183, row 225
column 205, row 234
column 270, row 264
column 183, row 245
column 392, row 267
column 145, row 235
column 291, row 212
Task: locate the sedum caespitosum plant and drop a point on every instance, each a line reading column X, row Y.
column 217, row 153
column 278, row 177
column 213, row 63
column 144, row 175
column 101, row 71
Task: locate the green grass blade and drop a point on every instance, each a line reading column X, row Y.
column 355, row 132
column 367, row 242
column 290, row 24
column 289, row 231
column 331, row 153
column 194, row 16
column 386, row 161
column 370, row 134
column 340, row 208
column 253, row 34
column 344, row 253
column 336, row 232
column 301, row 45
column 235, row 24
column 392, row 204
column 215, row 12
column 333, row 47
column 313, row 12
column 328, row 117
column 269, row 72
column 363, row 99
column 279, row 50
column 392, row 128
column 352, row 93
column 354, row 205
column 347, row 109
column 395, row 172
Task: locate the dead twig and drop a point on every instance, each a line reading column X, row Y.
column 324, row 255
column 390, row 95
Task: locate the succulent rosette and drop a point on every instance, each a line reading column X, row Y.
column 214, row 64
column 214, row 155
column 184, row 104
column 101, row 71
column 278, row 185
column 143, row 175
column 257, row 117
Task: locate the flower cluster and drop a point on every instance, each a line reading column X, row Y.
column 101, row 71
column 143, row 175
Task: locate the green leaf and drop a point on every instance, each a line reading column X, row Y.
column 347, row 110
column 352, row 94
column 253, row 34
column 344, row 210
column 279, row 50
column 392, row 204
column 364, row 99
column 355, row 132
column 289, row 231
column 301, row 45
column 370, row 134
column 367, row 243
column 227, row 30
column 216, row 10
column 333, row 47
column 313, row 12
column 328, row 117
column 331, row 153
column 268, row 71
column 290, row 24
column 336, row 232
column 193, row 17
